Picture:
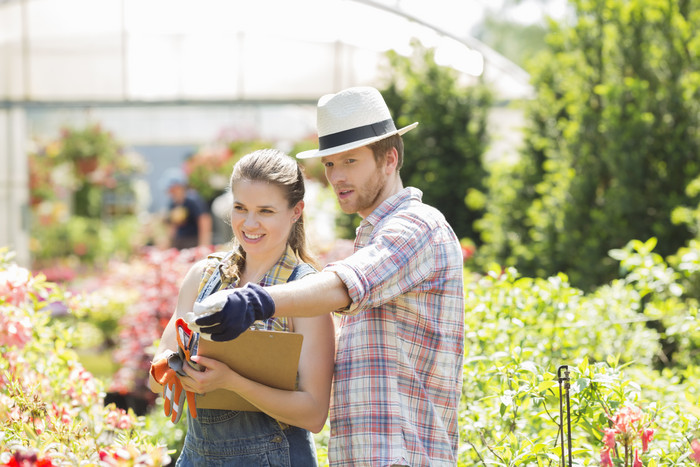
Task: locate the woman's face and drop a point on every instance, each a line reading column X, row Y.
column 261, row 219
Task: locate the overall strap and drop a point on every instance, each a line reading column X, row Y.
column 211, row 286
column 301, row 270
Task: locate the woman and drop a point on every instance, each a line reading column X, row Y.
column 269, row 242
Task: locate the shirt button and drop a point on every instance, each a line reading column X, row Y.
column 277, row 439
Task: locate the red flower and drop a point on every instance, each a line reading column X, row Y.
column 626, row 417
column 467, row 252
column 609, row 438
column 605, row 459
column 637, row 462
column 11, row 463
column 695, row 447
column 647, row 435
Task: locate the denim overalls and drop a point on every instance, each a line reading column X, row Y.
column 244, row 439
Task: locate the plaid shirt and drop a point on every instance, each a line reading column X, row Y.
column 398, row 373
column 278, row 274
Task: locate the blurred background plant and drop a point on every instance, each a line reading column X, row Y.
column 610, row 145
column 209, row 169
column 84, row 199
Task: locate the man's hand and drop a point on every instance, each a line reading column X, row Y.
column 226, row 314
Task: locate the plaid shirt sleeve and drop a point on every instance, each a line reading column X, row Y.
column 398, row 258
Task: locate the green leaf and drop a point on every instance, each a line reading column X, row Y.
column 544, row 385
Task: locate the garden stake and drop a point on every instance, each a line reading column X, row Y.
column 565, row 379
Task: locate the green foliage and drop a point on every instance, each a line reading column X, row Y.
column 443, row 155
column 664, row 299
column 520, row 331
column 89, row 240
column 519, row 42
column 612, row 142
column 88, row 143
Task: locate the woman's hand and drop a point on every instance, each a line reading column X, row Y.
column 216, row 375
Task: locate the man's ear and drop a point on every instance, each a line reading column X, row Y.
column 391, row 160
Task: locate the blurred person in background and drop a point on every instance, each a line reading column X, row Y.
column 189, row 220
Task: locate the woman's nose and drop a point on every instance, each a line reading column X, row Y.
column 250, row 220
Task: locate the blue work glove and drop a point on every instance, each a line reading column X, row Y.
column 226, row 314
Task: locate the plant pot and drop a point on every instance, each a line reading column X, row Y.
column 86, row 165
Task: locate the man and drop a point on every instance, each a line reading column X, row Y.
column 398, row 373
column 189, row 220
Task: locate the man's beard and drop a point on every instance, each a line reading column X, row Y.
column 367, row 194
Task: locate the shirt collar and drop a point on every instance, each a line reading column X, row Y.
column 281, row 271
column 392, row 203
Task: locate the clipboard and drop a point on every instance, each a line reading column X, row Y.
column 267, row 357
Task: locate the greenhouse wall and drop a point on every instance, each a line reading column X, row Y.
column 14, row 193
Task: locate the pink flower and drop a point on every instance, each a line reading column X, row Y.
column 112, row 418
column 626, row 417
column 609, row 438
column 118, row 418
column 637, row 462
column 695, row 447
column 647, row 435
column 15, row 283
column 605, row 459
column 124, row 422
column 15, row 328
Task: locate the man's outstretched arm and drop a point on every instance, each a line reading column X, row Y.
column 225, row 314
column 313, row 295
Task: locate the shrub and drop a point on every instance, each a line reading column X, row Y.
column 521, row 331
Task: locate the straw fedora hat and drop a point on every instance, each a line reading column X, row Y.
column 351, row 119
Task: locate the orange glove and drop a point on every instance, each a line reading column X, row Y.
column 173, row 392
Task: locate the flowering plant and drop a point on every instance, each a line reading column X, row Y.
column 628, row 425
column 209, row 169
column 154, row 279
column 51, row 408
column 82, row 162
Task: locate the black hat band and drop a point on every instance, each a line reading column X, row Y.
column 356, row 134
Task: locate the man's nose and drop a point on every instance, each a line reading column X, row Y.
column 335, row 175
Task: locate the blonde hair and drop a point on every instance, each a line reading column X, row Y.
column 275, row 167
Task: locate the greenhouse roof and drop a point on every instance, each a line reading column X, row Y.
column 120, row 51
